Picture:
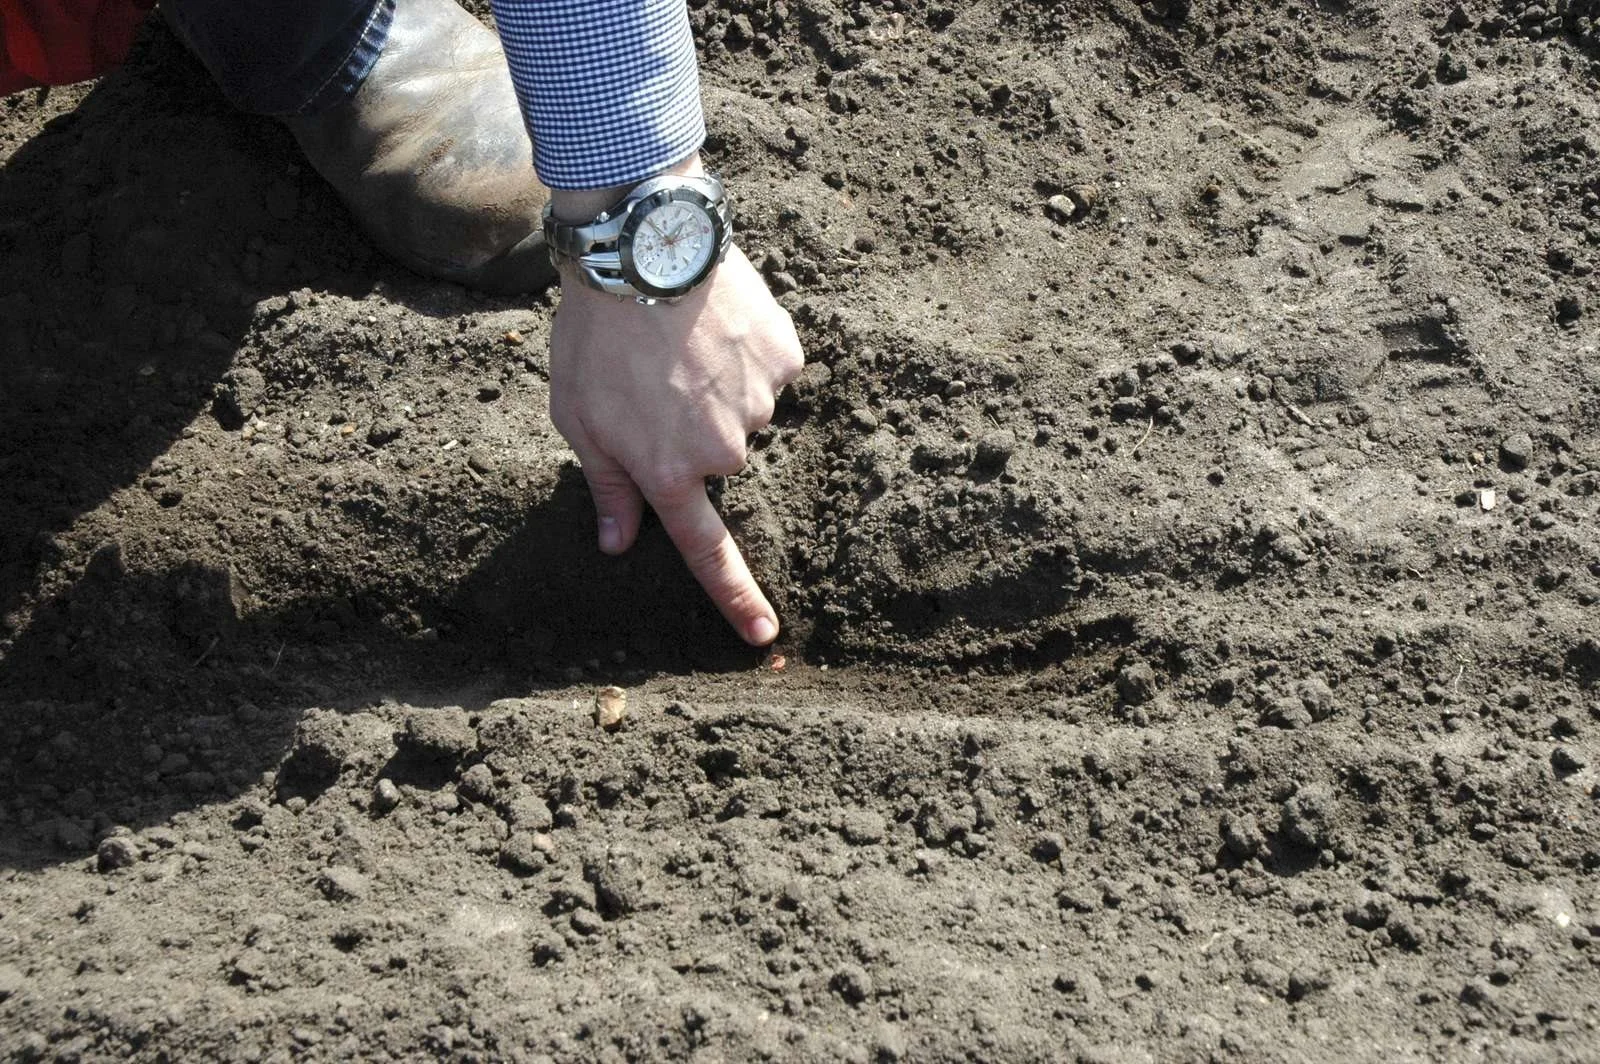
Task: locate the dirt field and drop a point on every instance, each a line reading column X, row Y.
column 1185, row 530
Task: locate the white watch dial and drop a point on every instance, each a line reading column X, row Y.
column 672, row 244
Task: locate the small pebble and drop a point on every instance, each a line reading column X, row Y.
column 610, row 707
column 385, row 796
column 1060, row 209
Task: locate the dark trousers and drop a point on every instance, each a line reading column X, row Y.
column 283, row 57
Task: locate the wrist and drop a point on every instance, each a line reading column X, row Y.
column 577, row 206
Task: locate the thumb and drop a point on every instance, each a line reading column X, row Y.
column 617, row 502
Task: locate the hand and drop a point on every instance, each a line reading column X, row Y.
column 655, row 399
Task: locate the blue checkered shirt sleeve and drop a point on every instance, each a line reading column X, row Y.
column 609, row 88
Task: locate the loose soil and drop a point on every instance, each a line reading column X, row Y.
column 1185, row 531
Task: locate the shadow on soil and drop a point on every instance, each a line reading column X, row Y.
column 136, row 235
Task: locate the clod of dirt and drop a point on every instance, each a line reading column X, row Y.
column 862, row 827
column 1242, row 835
column 1285, row 712
column 1303, row 982
column 610, row 707
column 385, row 431
column 442, row 736
column 940, row 825
column 1318, row 698
column 238, row 395
column 1080, row 984
column 328, row 743
column 477, row 784
column 889, row 1044
column 1516, row 450
column 1566, row 759
column 993, row 450
column 529, row 812
column 852, row 983
column 620, row 887
column 522, row 854
column 1569, row 308
column 11, row 981
column 1268, row 976
column 119, row 851
column 1308, row 817
column 1404, row 931
column 1136, row 684
column 805, row 391
column 342, row 883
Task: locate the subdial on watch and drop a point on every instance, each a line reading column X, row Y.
column 673, row 244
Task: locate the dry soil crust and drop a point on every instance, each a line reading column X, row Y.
column 1186, row 532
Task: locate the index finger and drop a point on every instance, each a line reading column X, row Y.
column 708, row 548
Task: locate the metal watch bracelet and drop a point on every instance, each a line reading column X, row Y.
column 597, row 248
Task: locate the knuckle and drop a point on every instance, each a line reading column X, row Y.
column 727, row 455
column 705, row 557
column 793, row 360
column 742, row 599
column 761, row 410
column 608, row 480
column 664, row 480
column 564, row 421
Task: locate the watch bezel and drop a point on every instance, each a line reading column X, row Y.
column 639, row 210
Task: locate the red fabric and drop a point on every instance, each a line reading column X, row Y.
column 56, row 42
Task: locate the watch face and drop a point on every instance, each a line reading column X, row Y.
column 673, row 244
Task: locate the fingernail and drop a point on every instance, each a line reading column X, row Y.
column 762, row 631
column 610, row 535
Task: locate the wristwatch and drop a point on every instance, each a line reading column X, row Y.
column 658, row 244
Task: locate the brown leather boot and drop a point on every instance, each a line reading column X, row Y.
column 432, row 157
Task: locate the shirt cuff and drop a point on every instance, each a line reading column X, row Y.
column 610, row 89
